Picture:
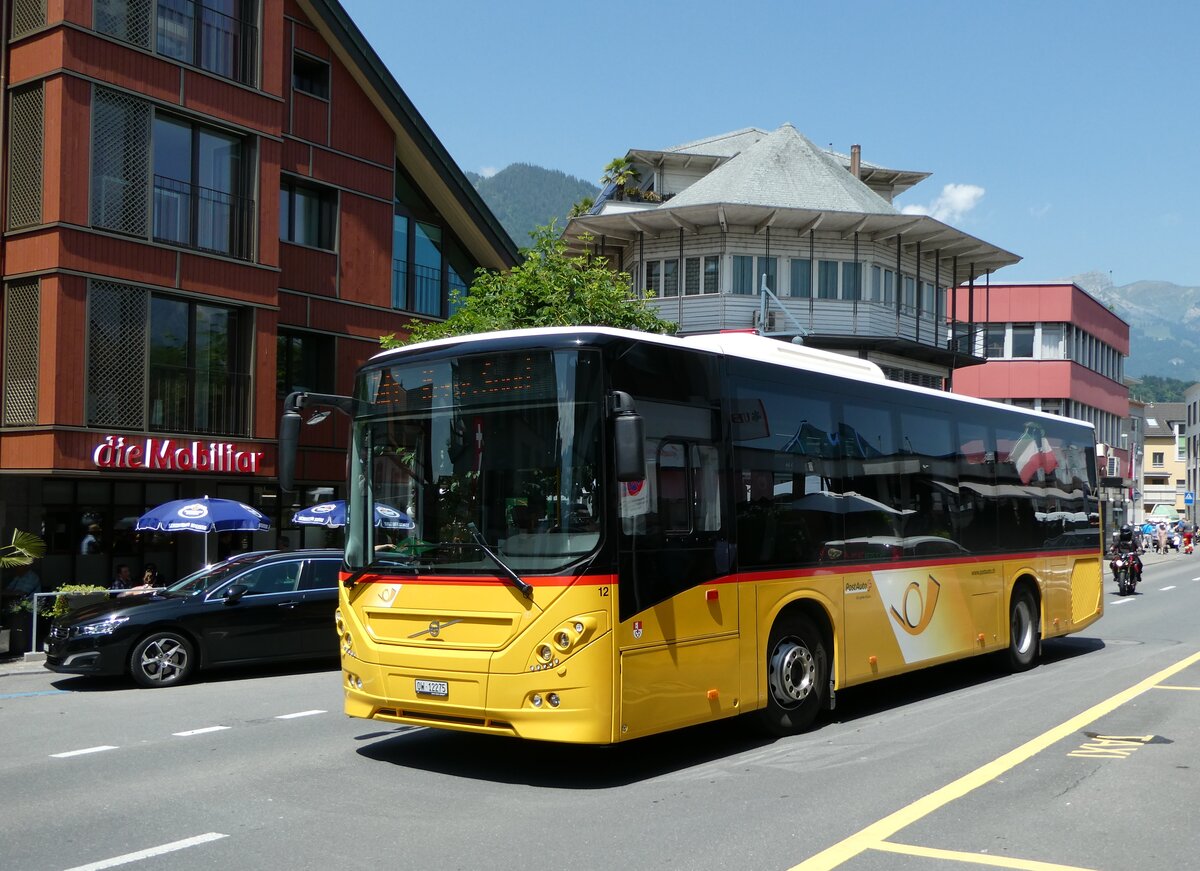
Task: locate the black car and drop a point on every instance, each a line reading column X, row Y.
column 256, row 607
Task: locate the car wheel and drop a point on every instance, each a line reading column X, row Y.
column 162, row 660
column 797, row 675
column 1023, row 634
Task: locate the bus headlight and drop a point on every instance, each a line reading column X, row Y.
column 545, row 653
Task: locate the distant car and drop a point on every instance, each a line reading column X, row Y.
column 885, row 548
column 258, row 607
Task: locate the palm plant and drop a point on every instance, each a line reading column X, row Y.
column 620, row 171
column 23, row 550
column 582, row 207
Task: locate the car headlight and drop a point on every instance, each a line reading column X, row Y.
column 103, row 627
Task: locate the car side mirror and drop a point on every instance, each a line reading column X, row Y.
column 234, row 593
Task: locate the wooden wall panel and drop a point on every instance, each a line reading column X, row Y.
column 265, row 420
column 366, row 322
column 227, row 279
column 218, row 98
column 123, row 67
column 297, row 157
column 365, row 246
column 353, row 174
column 269, row 155
column 310, row 41
column 274, row 72
column 310, row 118
column 293, row 309
column 36, row 57
column 75, row 150
column 307, row 269
column 358, row 128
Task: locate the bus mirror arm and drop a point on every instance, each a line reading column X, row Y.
column 289, row 428
column 628, row 438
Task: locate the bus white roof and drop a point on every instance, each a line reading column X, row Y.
column 749, row 346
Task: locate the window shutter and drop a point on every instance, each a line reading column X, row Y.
column 21, row 326
column 25, row 159
column 120, row 162
column 117, row 320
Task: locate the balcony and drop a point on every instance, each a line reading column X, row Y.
column 417, row 288
column 189, row 399
column 202, row 218
column 203, row 37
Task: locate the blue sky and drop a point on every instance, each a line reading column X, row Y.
column 1067, row 129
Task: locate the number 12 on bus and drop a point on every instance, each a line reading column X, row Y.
column 608, row 534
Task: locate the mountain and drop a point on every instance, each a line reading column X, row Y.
column 1164, row 324
column 524, row 196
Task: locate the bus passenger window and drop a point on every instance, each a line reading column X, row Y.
column 673, row 490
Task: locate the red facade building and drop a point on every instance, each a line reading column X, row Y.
column 205, row 206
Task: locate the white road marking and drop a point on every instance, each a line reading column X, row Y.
column 83, row 751
column 1164, row 589
column 152, row 851
column 298, row 714
column 200, row 731
column 1120, row 601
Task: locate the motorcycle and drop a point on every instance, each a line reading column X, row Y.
column 1124, row 573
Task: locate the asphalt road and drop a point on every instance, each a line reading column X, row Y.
column 1086, row 762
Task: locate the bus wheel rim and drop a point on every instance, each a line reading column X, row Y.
column 1024, row 627
column 793, row 672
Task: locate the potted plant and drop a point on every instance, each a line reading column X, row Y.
column 16, row 614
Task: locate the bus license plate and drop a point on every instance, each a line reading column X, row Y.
column 439, row 688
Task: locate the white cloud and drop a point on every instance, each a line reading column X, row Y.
column 488, row 171
column 953, row 203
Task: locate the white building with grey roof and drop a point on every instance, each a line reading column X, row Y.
column 705, row 225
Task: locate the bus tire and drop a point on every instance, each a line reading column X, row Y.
column 1024, row 634
column 797, row 675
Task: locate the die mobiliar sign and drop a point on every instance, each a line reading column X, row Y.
column 175, row 455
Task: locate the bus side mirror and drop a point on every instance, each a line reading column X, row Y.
column 629, row 436
column 289, row 435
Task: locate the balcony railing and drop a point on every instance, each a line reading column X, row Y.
column 194, row 400
column 196, row 34
column 202, row 218
column 416, row 287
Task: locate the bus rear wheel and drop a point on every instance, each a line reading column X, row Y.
column 1023, row 634
column 797, row 675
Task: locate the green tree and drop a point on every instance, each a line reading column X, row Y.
column 550, row 288
column 620, row 171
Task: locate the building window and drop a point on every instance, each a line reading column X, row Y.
column 800, row 273
column 670, row 278
column 768, row 266
column 427, row 261
column 691, row 276
column 827, row 279
column 165, row 363
column 993, row 340
column 310, row 76
column 712, row 274
column 304, row 361
column 1052, row 342
column 653, row 278
column 910, row 293
column 307, row 214
column 1158, row 459
column 200, row 181
column 851, row 280
column 216, row 35
column 1022, row 340
column 743, row 274
column 889, row 286
column 427, row 269
column 875, row 290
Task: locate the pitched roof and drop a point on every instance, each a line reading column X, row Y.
column 782, row 170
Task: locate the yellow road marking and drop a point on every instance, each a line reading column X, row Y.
column 1167, row 687
column 877, row 832
column 973, row 858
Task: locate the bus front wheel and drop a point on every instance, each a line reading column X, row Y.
column 1023, row 632
column 797, row 675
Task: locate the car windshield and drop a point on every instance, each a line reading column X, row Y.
column 505, row 442
column 208, row 577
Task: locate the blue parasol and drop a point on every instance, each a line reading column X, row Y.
column 334, row 514
column 203, row 515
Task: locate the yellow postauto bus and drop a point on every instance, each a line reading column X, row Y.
column 599, row 535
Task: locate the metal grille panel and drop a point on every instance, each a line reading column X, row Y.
column 21, row 353
column 25, row 159
column 120, row 162
column 28, row 16
column 117, row 322
column 127, row 20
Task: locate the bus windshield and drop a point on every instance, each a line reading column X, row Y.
column 506, row 444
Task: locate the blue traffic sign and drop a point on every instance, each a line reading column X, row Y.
column 1189, row 497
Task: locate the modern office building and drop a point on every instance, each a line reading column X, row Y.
column 205, row 206
column 704, row 226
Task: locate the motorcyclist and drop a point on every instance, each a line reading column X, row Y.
column 1124, row 542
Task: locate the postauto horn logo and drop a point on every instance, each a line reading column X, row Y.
column 918, row 606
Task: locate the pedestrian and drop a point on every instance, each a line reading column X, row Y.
column 1160, row 540
column 123, row 580
column 90, row 543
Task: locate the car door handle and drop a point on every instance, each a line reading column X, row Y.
column 291, row 604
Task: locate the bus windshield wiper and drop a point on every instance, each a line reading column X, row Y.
column 378, row 564
column 524, row 586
